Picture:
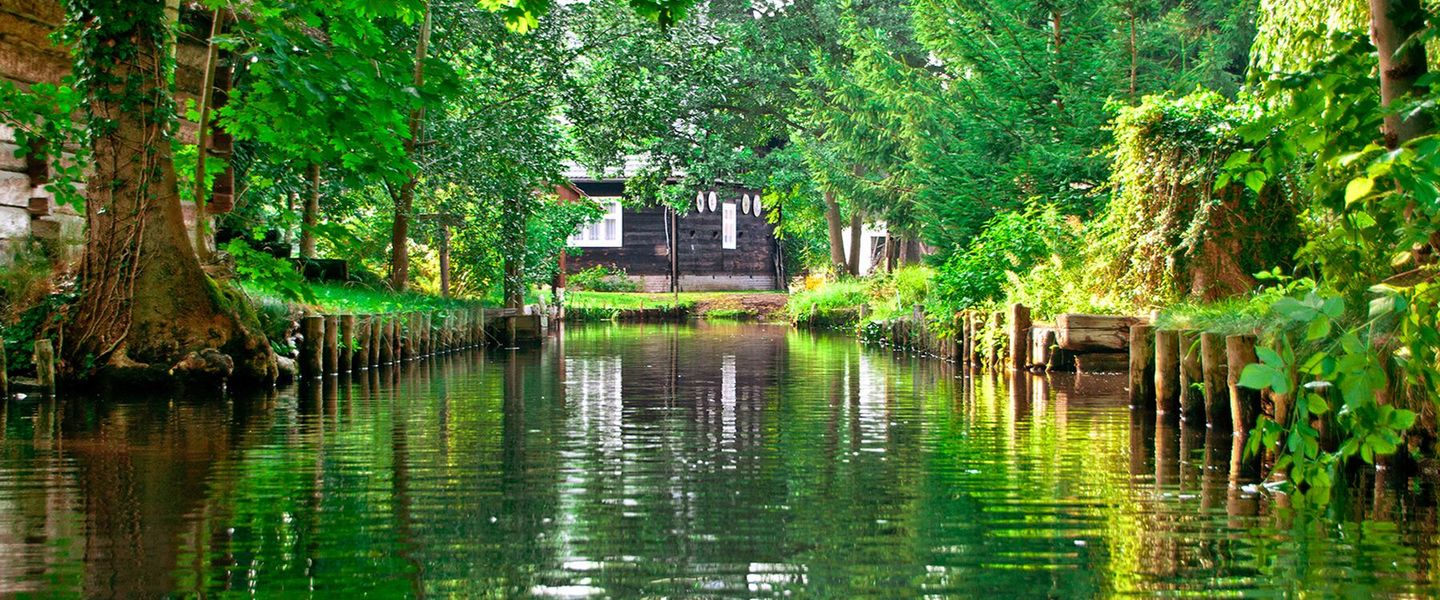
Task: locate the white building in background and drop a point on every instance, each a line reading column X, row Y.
column 872, row 245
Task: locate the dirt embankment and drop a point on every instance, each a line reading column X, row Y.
column 767, row 307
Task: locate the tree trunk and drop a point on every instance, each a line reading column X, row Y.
column 146, row 309
column 405, row 201
column 202, row 139
column 444, row 258
column 837, row 232
column 856, row 224
column 892, row 253
column 1392, row 23
column 512, row 234
column 310, row 215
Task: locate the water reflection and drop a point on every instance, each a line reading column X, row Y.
column 721, row 460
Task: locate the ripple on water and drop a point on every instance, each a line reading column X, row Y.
column 664, row 461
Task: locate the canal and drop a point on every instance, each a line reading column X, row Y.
column 710, row 460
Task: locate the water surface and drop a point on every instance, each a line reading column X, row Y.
column 669, row 461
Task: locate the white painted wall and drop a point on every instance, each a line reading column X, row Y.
column 872, row 235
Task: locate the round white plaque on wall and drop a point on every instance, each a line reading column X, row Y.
column 713, row 201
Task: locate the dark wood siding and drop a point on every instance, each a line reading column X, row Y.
column 645, row 249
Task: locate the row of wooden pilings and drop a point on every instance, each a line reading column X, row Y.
column 342, row 343
column 1192, row 375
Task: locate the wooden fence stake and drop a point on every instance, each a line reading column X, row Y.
column 997, row 346
column 4, row 373
column 360, row 356
column 347, row 343
column 312, row 354
column 45, row 365
column 332, row 343
column 1019, row 337
column 1167, row 372
column 1142, row 364
column 385, row 341
column 376, row 339
column 1192, row 397
column 1217, row 394
column 1244, row 402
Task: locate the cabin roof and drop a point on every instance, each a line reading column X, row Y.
column 631, row 167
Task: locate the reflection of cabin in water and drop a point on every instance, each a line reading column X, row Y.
column 722, row 242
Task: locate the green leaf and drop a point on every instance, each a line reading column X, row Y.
column 1269, row 357
column 1256, row 376
column 1402, row 419
column 1316, row 404
column 1358, row 188
column 1319, row 328
column 1255, row 180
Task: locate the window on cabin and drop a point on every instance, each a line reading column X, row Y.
column 607, row 231
column 727, row 227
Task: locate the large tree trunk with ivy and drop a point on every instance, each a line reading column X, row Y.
column 1392, row 24
column 146, row 308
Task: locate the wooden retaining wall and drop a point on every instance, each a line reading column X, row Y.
column 1187, row 375
column 344, row 343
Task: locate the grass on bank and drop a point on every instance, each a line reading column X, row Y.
column 277, row 314
column 882, row 296
column 593, row 305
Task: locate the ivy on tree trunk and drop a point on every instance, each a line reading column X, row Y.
column 145, row 305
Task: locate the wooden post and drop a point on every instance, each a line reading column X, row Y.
column 1142, row 365
column 429, row 333
column 402, row 337
column 4, row 375
column 1019, row 337
column 45, row 365
column 1192, row 399
column 1217, row 396
column 971, row 334
column 376, row 338
column 332, row 343
column 360, row 356
column 347, row 343
column 312, row 354
column 1244, row 402
column 1167, row 372
column 997, row 325
column 385, row 340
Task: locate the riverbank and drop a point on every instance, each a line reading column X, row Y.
column 639, row 306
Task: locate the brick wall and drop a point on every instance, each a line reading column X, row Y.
column 27, row 211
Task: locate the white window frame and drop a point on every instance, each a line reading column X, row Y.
column 727, row 227
column 593, row 234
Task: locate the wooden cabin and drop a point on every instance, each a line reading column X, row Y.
column 721, row 242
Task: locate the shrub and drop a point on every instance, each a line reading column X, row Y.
column 834, row 303
column 1010, row 243
column 601, row 278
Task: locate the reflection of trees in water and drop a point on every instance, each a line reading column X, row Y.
column 660, row 461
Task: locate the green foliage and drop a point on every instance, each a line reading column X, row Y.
column 39, row 115
column 1179, row 225
column 899, row 292
column 833, row 303
column 265, row 272
column 1326, row 361
column 1011, row 242
column 601, row 278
